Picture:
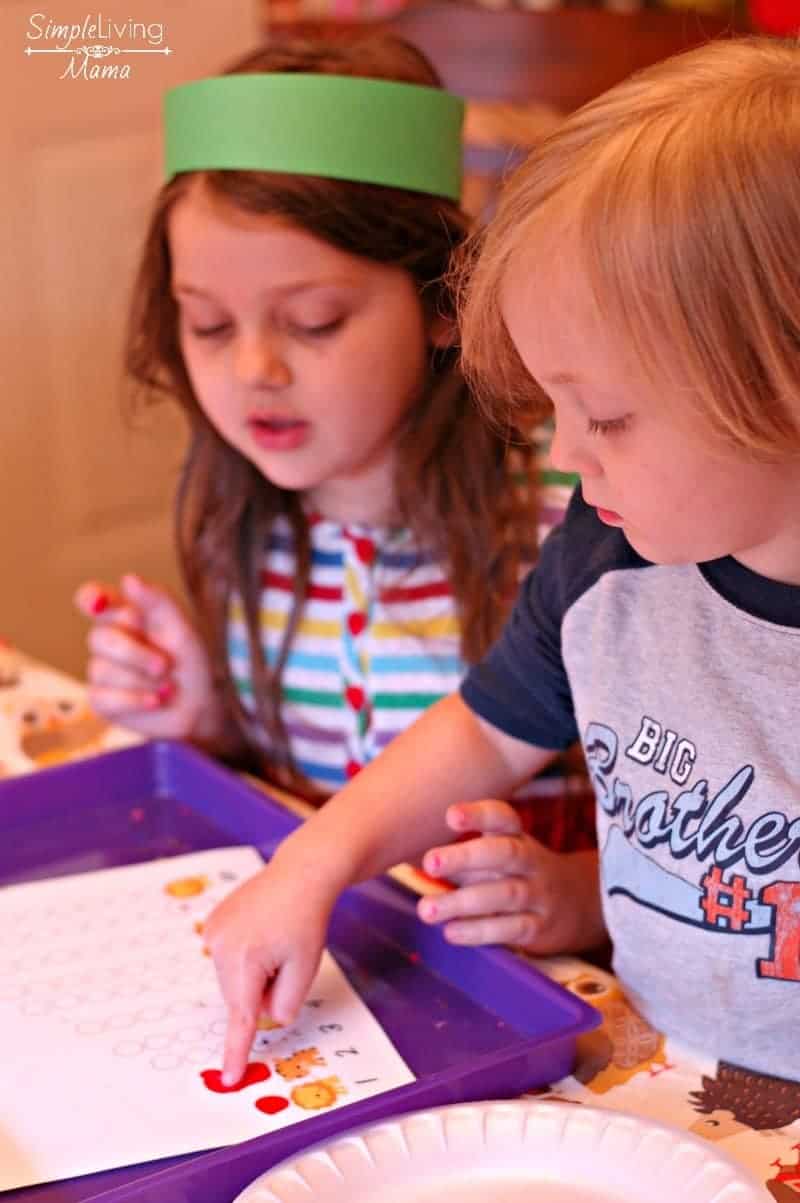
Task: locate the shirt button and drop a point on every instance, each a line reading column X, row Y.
column 365, row 550
column 356, row 622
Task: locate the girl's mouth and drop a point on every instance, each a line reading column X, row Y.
column 278, row 434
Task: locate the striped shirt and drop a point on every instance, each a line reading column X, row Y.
column 376, row 645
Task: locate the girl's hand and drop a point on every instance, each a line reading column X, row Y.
column 266, row 939
column 147, row 667
column 513, row 890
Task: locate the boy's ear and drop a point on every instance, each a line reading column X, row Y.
column 442, row 331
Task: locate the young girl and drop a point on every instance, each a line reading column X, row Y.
column 348, row 526
column 642, row 270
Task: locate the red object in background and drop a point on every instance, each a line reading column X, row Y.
column 780, row 17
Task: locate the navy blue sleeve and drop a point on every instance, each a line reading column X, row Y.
column 521, row 685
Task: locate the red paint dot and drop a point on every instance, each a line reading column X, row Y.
column 355, row 696
column 256, row 1071
column 352, row 768
column 356, row 623
column 271, row 1104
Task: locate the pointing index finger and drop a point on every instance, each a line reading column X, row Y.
column 239, row 1038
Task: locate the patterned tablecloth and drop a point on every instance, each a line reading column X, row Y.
column 624, row 1065
column 45, row 719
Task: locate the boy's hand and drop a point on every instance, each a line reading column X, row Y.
column 266, row 939
column 147, row 667
column 512, row 890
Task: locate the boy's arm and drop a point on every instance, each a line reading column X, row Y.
column 394, row 810
column 267, row 937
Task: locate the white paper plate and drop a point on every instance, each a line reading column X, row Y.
column 518, row 1152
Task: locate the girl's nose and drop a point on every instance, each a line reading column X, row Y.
column 259, row 364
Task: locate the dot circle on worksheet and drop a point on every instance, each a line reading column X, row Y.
column 123, row 972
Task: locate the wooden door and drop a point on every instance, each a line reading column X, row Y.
column 81, row 493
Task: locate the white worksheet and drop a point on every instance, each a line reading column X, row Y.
column 112, row 1026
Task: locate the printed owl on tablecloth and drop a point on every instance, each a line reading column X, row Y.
column 623, row 1046
column 51, row 730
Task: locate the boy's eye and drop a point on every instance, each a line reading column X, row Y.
column 608, row 425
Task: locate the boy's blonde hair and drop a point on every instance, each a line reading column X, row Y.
column 678, row 193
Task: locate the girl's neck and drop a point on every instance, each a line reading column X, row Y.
column 363, row 500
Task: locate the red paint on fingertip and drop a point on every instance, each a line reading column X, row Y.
column 100, row 603
column 256, row 1071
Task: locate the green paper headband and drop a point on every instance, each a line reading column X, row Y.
column 373, row 130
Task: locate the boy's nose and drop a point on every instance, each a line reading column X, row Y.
column 568, row 454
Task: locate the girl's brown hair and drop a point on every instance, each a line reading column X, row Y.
column 678, row 192
column 453, row 479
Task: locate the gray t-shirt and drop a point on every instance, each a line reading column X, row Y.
column 683, row 684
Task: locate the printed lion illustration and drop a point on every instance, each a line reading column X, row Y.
column 314, row 1096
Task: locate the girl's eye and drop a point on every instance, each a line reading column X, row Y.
column 208, row 331
column 608, row 425
column 318, row 331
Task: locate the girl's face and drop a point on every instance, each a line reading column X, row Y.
column 644, row 462
column 304, row 358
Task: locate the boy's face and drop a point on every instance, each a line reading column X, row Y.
column 645, row 463
column 305, row 358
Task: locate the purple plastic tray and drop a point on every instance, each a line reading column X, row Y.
column 470, row 1023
